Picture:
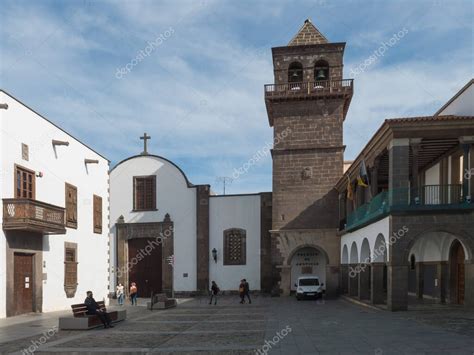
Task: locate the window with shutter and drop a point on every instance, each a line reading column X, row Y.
column 97, row 214
column 144, row 193
column 24, row 183
column 235, row 246
column 71, row 206
column 70, row 269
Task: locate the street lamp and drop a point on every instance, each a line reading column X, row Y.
column 214, row 254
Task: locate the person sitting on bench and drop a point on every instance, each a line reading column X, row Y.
column 94, row 309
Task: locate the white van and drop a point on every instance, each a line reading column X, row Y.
column 308, row 286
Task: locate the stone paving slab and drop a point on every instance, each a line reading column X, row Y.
column 329, row 327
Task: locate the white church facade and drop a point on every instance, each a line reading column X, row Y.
column 158, row 212
column 54, row 203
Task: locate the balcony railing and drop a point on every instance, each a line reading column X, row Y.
column 32, row 215
column 428, row 197
column 309, row 88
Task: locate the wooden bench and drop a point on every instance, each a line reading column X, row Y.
column 161, row 301
column 81, row 320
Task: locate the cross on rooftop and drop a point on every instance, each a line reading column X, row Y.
column 145, row 137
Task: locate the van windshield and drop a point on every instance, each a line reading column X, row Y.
column 309, row 282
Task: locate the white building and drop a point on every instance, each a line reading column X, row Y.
column 157, row 213
column 54, row 194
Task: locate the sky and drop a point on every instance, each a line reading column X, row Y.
column 191, row 73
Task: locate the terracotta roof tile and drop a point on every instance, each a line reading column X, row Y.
column 308, row 34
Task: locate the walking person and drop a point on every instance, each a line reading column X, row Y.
column 119, row 292
column 242, row 291
column 247, row 290
column 214, row 291
column 133, row 293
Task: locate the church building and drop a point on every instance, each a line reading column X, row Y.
column 173, row 236
column 394, row 227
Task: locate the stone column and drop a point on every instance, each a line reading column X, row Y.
column 374, row 177
column 465, row 170
column 377, row 294
column 419, row 280
column 441, row 276
column 364, row 281
column 285, row 283
column 398, row 171
column 121, row 269
column 415, row 149
column 344, row 279
column 353, row 280
column 471, row 167
column 202, row 238
column 332, row 281
column 397, row 287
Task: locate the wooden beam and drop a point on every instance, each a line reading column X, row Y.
column 91, row 161
column 56, row 142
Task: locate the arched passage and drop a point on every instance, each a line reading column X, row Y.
column 354, row 259
column 379, row 254
column 345, row 255
column 344, row 270
column 378, row 271
column 364, row 270
column 353, row 272
column 307, row 260
column 439, row 274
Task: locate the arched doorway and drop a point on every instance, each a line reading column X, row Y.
column 145, row 266
column 308, row 261
column 457, row 274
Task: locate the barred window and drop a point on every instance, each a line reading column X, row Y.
column 235, row 246
column 144, row 193
column 71, row 206
column 97, row 214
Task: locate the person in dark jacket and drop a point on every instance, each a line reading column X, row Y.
column 93, row 308
column 242, row 291
column 214, row 291
column 247, row 290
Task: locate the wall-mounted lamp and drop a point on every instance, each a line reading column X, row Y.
column 39, row 174
column 214, row 254
column 4, row 106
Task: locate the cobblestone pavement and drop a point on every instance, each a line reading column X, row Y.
column 270, row 325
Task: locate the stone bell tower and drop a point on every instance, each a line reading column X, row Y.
column 306, row 107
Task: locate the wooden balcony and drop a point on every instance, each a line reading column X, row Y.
column 309, row 89
column 31, row 215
